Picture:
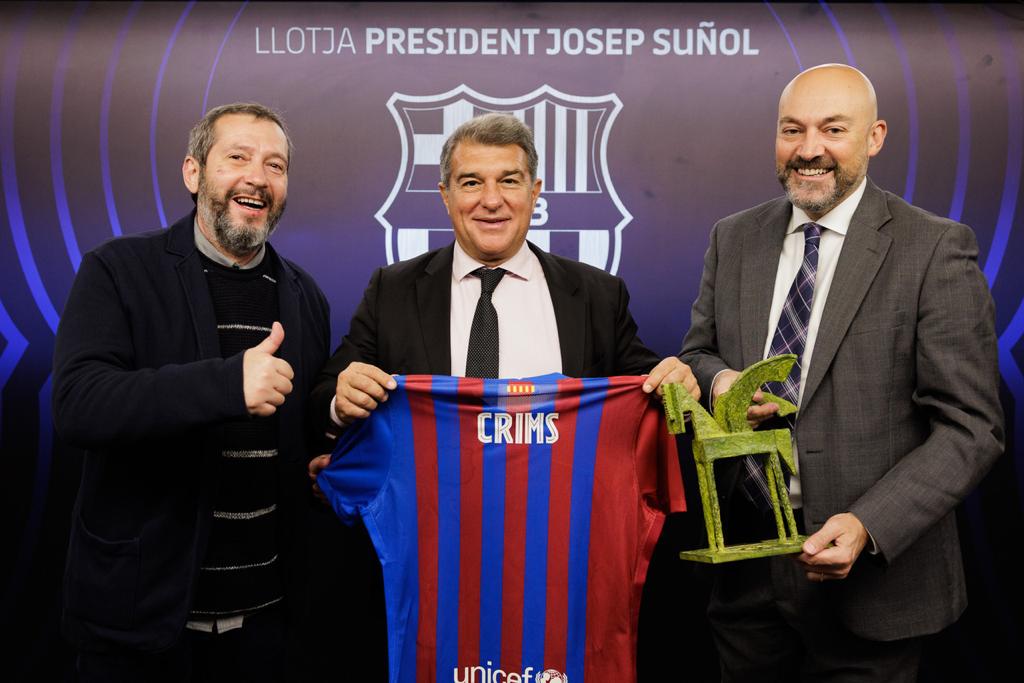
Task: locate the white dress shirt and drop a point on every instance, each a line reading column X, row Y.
column 835, row 223
column 527, row 330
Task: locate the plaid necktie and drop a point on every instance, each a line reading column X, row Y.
column 482, row 355
column 790, row 337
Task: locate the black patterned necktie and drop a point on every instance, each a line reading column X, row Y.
column 482, row 356
column 790, row 337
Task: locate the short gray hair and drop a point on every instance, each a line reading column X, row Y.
column 490, row 129
column 201, row 137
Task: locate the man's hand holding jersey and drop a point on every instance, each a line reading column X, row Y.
column 361, row 388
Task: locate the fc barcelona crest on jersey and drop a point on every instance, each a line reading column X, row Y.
column 579, row 214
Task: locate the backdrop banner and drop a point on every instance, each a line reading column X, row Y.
column 651, row 122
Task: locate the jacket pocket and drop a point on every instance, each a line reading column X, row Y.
column 102, row 578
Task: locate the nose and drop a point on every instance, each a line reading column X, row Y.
column 255, row 174
column 491, row 197
column 811, row 146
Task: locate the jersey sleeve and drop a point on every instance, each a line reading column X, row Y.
column 359, row 464
column 657, row 462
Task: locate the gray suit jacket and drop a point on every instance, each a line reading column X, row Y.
column 900, row 416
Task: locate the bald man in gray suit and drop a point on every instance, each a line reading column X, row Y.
column 898, row 394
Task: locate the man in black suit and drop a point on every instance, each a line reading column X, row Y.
column 553, row 314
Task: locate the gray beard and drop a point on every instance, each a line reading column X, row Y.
column 843, row 183
column 239, row 240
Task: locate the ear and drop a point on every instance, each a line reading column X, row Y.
column 876, row 137
column 537, row 183
column 190, row 174
column 444, row 197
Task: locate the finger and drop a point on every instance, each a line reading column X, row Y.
column 282, row 385
column 832, row 559
column 692, row 386
column 657, row 375
column 274, row 398
column 317, row 464
column 273, row 341
column 284, row 368
column 763, row 411
column 822, row 538
column 376, row 374
column 265, row 410
column 366, row 384
column 350, row 411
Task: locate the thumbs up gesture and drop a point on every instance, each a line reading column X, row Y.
column 266, row 380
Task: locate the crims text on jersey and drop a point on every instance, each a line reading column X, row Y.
column 517, row 428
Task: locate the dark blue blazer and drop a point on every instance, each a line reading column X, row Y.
column 140, row 385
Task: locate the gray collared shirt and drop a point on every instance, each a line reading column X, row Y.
column 207, row 249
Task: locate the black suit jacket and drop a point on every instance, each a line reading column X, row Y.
column 402, row 324
column 140, row 385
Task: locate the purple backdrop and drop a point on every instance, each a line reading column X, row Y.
column 656, row 119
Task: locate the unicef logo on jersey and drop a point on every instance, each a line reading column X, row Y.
column 487, row 674
column 578, row 215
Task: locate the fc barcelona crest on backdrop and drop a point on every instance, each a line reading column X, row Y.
column 578, row 215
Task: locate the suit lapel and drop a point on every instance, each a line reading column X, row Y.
column 181, row 241
column 570, row 312
column 289, row 303
column 761, row 249
column 864, row 250
column 433, row 299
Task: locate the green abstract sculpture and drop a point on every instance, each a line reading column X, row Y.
column 728, row 435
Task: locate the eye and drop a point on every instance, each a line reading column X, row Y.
column 277, row 166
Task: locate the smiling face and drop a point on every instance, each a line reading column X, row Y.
column 490, row 199
column 242, row 186
column 827, row 131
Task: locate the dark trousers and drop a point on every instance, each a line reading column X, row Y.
column 254, row 653
column 770, row 623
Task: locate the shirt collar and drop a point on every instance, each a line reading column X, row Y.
column 838, row 219
column 523, row 265
column 207, row 249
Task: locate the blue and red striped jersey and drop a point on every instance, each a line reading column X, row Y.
column 514, row 521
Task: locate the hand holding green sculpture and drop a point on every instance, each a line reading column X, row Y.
column 729, row 435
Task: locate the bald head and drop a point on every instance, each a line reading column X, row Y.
column 828, row 128
column 833, row 85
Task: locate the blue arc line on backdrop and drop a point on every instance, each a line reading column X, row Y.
column 963, row 110
column 40, row 484
column 220, row 50
column 13, row 351
column 1014, row 145
column 60, row 195
column 154, row 111
column 839, row 32
column 913, row 127
column 108, row 91
column 785, row 33
column 8, row 169
column 1014, row 379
